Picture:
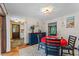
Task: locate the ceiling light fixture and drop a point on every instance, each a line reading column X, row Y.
column 20, row 21
column 47, row 10
column 16, row 20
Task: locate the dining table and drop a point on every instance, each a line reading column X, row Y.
column 63, row 41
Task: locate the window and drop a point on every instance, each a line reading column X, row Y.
column 52, row 28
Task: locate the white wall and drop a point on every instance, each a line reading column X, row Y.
column 30, row 22
column 8, row 45
column 61, row 27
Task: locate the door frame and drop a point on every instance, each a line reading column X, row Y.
column 3, row 34
column 19, row 30
column 3, row 28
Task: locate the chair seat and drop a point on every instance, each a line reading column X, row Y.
column 42, row 43
column 68, row 47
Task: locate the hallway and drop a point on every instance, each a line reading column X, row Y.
column 16, row 42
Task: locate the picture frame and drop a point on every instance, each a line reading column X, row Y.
column 70, row 23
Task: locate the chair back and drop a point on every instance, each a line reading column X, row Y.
column 53, row 46
column 71, row 41
column 53, row 42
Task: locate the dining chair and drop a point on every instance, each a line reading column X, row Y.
column 40, row 44
column 70, row 46
column 52, row 47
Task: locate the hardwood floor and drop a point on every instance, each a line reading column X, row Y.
column 16, row 42
column 14, row 51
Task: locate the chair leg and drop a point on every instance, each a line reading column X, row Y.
column 38, row 46
column 61, row 51
column 68, row 51
column 46, row 52
column 73, row 52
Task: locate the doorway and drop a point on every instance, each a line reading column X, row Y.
column 15, row 34
column 15, row 31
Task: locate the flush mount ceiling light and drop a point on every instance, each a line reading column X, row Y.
column 47, row 10
column 20, row 21
column 17, row 20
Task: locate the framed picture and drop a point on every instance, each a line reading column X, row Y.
column 70, row 22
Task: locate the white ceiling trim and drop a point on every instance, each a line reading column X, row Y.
column 3, row 8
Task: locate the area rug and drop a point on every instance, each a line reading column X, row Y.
column 32, row 51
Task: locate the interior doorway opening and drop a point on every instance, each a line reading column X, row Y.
column 15, row 35
column 15, row 31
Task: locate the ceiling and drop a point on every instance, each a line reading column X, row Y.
column 33, row 10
